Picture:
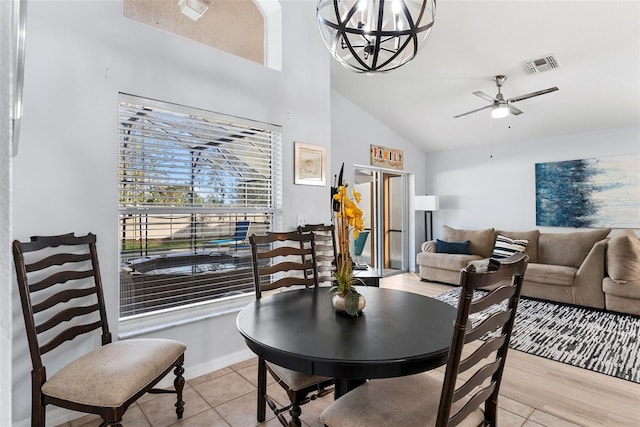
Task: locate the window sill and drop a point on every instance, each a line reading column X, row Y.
column 147, row 324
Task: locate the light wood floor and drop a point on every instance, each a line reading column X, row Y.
column 553, row 389
column 534, row 392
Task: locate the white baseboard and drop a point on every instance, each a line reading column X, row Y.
column 57, row 416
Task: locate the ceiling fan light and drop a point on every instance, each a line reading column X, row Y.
column 500, row 112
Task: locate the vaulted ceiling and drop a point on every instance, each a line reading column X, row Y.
column 596, row 43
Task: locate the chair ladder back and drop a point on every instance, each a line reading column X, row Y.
column 494, row 332
column 326, row 249
column 276, row 256
column 59, row 281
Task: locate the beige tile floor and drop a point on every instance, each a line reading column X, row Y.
column 227, row 397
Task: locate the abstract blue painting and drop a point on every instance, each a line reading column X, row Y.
column 598, row 192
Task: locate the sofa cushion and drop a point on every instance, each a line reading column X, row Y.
column 481, row 241
column 455, row 262
column 623, row 257
column 428, row 246
column 630, row 290
column 568, row 249
column 505, row 247
column 443, row 247
column 531, row 236
column 547, row 274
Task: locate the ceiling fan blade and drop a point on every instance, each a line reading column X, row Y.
column 513, row 110
column 532, row 94
column 483, row 95
column 473, row 111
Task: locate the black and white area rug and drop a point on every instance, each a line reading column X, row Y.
column 603, row 342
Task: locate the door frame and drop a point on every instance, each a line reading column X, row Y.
column 379, row 218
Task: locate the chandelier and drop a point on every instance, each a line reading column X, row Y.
column 375, row 35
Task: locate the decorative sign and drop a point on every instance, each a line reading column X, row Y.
column 387, row 157
column 598, row 192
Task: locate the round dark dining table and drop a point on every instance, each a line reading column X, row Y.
column 398, row 333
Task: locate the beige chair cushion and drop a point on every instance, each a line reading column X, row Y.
column 568, row 249
column 403, row 401
column 623, row 257
column 481, row 240
column 295, row 380
column 111, row 374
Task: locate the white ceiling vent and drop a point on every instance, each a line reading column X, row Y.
column 541, row 64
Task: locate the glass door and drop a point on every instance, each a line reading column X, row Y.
column 365, row 182
column 384, row 204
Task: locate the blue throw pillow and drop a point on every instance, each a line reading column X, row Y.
column 453, row 247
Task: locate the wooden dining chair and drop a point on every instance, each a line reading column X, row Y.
column 326, row 250
column 281, row 260
column 468, row 396
column 64, row 309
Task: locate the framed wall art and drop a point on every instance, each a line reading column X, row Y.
column 596, row 192
column 309, row 164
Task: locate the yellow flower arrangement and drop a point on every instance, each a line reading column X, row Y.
column 349, row 218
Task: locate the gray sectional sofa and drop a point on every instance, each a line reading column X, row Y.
column 563, row 267
column 621, row 284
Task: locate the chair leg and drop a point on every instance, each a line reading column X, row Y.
column 37, row 414
column 115, row 424
column 262, row 389
column 295, row 413
column 178, row 383
column 277, row 411
column 491, row 411
column 37, row 402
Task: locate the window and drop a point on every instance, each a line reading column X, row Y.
column 192, row 186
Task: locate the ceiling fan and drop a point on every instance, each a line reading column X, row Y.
column 501, row 107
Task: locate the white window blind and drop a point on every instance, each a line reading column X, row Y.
column 193, row 185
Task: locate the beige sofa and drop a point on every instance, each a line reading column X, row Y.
column 563, row 267
column 621, row 285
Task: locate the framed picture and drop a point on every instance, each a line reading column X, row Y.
column 309, row 164
column 589, row 193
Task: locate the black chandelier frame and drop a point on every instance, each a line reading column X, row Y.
column 373, row 40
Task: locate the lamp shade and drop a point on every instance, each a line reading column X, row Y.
column 426, row 203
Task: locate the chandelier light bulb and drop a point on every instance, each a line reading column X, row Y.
column 396, row 7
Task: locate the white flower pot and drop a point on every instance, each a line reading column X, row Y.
column 339, row 302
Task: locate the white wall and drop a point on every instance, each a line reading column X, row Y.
column 80, row 54
column 353, row 130
column 494, row 186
